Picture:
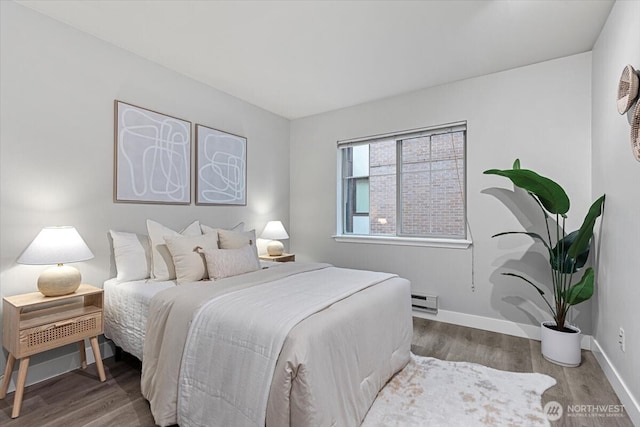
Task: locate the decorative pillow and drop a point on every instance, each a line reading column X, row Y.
column 261, row 245
column 206, row 229
column 162, row 267
column 223, row 263
column 187, row 259
column 229, row 239
column 132, row 253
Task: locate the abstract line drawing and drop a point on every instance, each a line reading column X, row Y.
column 153, row 156
column 221, row 167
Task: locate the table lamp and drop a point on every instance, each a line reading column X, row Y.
column 57, row 245
column 274, row 231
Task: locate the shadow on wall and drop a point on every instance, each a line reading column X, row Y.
column 514, row 299
column 518, row 302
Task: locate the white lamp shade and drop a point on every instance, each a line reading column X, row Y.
column 274, row 230
column 56, row 245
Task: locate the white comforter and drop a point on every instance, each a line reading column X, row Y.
column 245, row 331
column 126, row 305
column 328, row 372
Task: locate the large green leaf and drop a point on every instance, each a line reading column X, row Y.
column 586, row 230
column 581, row 291
column 551, row 194
column 516, row 166
column 560, row 255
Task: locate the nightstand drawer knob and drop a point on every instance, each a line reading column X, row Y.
column 60, row 324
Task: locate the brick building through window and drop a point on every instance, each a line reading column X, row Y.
column 409, row 184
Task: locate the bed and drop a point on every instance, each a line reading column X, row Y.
column 127, row 306
column 297, row 345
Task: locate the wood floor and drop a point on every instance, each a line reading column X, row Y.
column 584, row 385
column 78, row 398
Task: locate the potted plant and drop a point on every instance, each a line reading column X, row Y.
column 560, row 341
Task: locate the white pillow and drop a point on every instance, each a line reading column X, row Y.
column 132, row 254
column 261, row 245
column 189, row 263
column 206, row 229
column 162, row 267
column 223, row 263
column 229, row 239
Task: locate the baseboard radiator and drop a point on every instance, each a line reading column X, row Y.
column 428, row 303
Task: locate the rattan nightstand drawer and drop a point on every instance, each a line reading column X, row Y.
column 52, row 335
column 33, row 323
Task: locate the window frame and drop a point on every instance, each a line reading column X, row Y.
column 399, row 238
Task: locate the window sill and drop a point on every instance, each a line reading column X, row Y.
column 405, row 241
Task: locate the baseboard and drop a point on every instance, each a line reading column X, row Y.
column 490, row 324
column 59, row 365
column 631, row 405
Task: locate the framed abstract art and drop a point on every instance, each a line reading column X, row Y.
column 152, row 156
column 221, row 167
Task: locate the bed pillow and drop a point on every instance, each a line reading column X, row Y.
column 229, row 239
column 189, row 262
column 162, row 267
column 206, row 229
column 223, row 263
column 232, row 239
column 261, row 246
column 132, row 253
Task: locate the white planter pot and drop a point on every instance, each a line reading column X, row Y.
column 561, row 348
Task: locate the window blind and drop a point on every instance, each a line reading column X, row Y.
column 413, row 133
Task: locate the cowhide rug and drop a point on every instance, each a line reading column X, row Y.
column 432, row 392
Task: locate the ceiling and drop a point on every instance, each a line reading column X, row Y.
column 299, row 58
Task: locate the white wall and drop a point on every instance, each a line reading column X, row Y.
column 617, row 173
column 539, row 113
column 57, row 90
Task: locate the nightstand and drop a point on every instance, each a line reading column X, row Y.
column 279, row 258
column 33, row 323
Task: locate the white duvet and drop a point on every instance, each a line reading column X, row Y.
column 126, row 305
column 245, row 330
column 275, row 347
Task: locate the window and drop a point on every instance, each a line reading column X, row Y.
column 409, row 184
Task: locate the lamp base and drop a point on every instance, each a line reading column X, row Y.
column 59, row 280
column 275, row 248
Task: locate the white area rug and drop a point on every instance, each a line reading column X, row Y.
column 432, row 392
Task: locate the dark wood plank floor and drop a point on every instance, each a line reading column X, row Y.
column 78, row 398
column 584, row 385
